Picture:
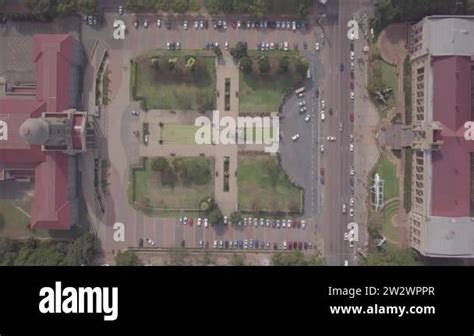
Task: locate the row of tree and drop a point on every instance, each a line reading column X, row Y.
column 49, row 9
column 176, row 6
column 257, row 8
column 81, row 251
column 388, row 11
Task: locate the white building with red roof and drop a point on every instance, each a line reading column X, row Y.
column 41, row 132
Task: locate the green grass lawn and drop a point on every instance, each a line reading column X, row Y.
column 387, row 171
column 178, row 134
column 390, row 231
column 260, row 93
column 14, row 222
column 180, row 88
column 263, row 186
column 390, row 80
column 147, row 189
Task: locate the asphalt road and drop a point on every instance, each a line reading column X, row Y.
column 337, row 159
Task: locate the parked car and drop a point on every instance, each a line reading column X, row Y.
column 307, row 118
column 185, row 25
column 331, row 138
column 295, row 137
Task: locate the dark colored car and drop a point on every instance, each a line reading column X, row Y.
column 298, row 224
column 351, row 116
column 275, row 246
column 290, row 245
column 341, row 67
column 352, row 85
column 241, row 244
column 168, row 24
column 321, row 171
column 317, row 93
column 305, row 245
column 300, row 245
column 207, row 244
column 352, row 74
column 226, row 244
column 190, row 222
column 183, row 243
column 322, row 179
column 140, row 242
column 256, row 243
column 331, row 110
column 295, row 245
column 352, row 46
column 262, row 245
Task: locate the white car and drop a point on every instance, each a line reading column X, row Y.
column 351, row 201
column 351, row 147
column 341, row 127
column 351, row 137
column 206, row 223
column 346, row 236
column 323, row 115
column 178, row 45
column 331, row 138
column 255, row 222
column 272, row 46
column 285, row 246
column 215, row 244
column 323, row 103
column 285, row 46
column 196, row 24
column 351, row 212
column 322, row 149
column 199, row 221
column 293, row 25
column 317, row 46
column 226, row 45
column 158, row 23
column 185, row 25
column 352, row 65
column 226, row 221
column 185, row 220
column 307, row 118
column 290, row 223
column 301, row 103
column 352, row 171
column 351, row 243
column 352, row 56
column 168, row 46
column 239, row 24
column 267, row 222
column 145, row 23
column 120, row 10
column 344, row 209
column 295, row 137
column 201, row 24
column 352, row 94
column 303, row 224
column 283, row 223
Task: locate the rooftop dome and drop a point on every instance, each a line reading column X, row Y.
column 34, row 131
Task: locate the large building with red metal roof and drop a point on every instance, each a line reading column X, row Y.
column 41, row 131
column 442, row 56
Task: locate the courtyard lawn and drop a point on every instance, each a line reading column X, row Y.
column 178, row 134
column 389, row 79
column 387, row 171
column 390, row 231
column 152, row 191
column 14, row 220
column 263, row 186
column 179, row 88
column 263, row 93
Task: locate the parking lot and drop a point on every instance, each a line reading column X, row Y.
column 298, row 158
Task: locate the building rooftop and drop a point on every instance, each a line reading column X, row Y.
column 450, row 35
column 451, row 164
column 52, row 57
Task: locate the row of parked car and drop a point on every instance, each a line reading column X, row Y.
column 256, row 244
column 249, row 221
column 263, row 46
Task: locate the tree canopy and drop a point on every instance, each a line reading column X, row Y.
column 296, row 258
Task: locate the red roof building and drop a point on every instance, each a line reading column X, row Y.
column 442, row 58
column 41, row 131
